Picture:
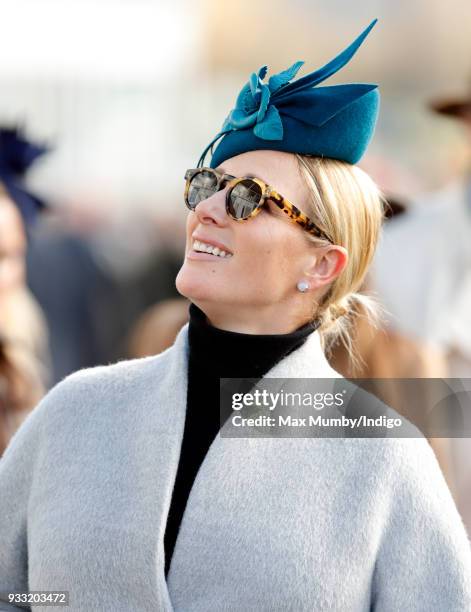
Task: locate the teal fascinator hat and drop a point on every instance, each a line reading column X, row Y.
column 300, row 117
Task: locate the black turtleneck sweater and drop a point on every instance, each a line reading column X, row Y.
column 213, row 354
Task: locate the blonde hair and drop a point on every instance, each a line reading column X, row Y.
column 348, row 206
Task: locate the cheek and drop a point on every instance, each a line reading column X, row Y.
column 269, row 256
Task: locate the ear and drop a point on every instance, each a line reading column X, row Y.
column 330, row 261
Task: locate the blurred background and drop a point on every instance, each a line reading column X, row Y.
column 125, row 94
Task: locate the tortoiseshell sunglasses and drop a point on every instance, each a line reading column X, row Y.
column 245, row 197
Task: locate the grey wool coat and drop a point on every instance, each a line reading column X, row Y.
column 271, row 525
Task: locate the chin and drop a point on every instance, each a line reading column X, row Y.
column 193, row 287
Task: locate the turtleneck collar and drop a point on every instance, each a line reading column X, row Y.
column 228, row 354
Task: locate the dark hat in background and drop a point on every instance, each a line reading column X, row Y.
column 458, row 107
column 17, row 154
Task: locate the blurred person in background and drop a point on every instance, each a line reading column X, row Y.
column 157, row 329
column 422, row 273
column 155, row 311
column 433, row 234
column 149, row 509
column 79, row 270
column 70, row 286
column 24, row 357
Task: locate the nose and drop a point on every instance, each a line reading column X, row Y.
column 212, row 211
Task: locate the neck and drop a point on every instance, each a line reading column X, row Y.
column 260, row 321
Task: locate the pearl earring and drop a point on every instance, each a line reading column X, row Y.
column 303, row 286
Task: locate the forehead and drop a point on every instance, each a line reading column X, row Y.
column 276, row 168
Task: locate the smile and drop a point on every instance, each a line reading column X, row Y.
column 203, row 247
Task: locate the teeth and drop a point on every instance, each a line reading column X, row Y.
column 207, row 248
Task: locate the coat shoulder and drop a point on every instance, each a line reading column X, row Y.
column 97, row 393
column 123, row 376
column 128, row 374
column 115, row 375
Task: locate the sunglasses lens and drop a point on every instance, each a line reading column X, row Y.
column 244, row 198
column 202, row 186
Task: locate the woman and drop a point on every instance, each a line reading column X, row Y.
column 130, row 501
column 23, row 336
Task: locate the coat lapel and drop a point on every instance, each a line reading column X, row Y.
column 223, row 483
column 170, row 398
